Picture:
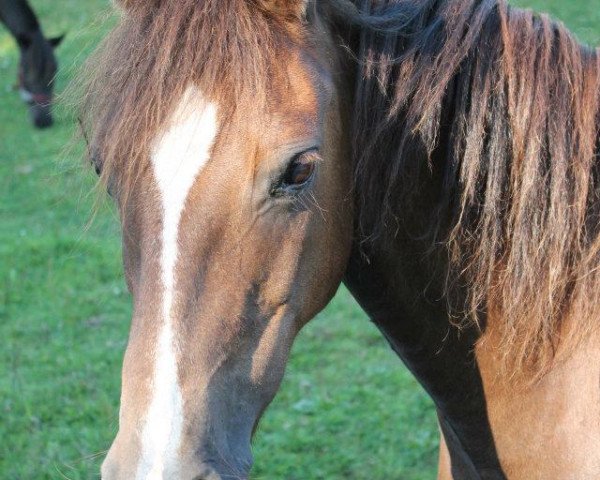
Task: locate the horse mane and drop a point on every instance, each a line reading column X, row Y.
column 227, row 48
column 501, row 106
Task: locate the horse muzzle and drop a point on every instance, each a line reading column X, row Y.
column 39, row 108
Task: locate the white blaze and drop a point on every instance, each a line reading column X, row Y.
column 177, row 159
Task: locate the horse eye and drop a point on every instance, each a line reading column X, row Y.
column 301, row 169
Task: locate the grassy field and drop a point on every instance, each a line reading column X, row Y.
column 347, row 409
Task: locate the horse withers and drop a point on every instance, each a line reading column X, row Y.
column 438, row 156
column 37, row 64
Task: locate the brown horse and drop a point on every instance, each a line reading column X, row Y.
column 438, row 156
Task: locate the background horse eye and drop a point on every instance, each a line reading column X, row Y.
column 301, row 169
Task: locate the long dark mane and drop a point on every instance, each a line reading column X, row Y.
column 502, row 106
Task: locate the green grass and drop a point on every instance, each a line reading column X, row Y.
column 347, row 409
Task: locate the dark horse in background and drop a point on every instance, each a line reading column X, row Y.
column 37, row 64
column 438, row 156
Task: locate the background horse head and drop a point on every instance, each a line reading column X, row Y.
column 37, row 64
column 37, row 70
column 449, row 172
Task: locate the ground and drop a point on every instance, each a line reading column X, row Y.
column 347, row 409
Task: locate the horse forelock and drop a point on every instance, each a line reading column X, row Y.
column 500, row 108
column 229, row 49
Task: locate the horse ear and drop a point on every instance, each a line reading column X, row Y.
column 56, row 41
column 287, row 8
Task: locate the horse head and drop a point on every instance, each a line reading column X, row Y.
column 220, row 141
column 37, row 70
